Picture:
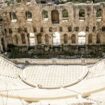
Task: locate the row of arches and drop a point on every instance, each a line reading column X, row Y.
column 51, row 29
column 48, row 38
column 13, row 16
column 90, row 38
column 55, row 14
column 65, row 14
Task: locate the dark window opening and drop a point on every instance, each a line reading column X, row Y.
column 73, row 39
column 45, row 14
column 76, row 29
column 41, row 29
column 10, row 31
column 34, row 29
column 28, row 15
column 60, row 29
column 65, row 38
column 64, row 13
column 87, row 29
column 23, row 38
column 90, row 38
column 69, row 29
column 39, row 38
column 94, row 29
column 103, row 28
column 55, row 16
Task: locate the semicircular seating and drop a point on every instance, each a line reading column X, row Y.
column 7, row 68
column 96, row 70
column 53, row 76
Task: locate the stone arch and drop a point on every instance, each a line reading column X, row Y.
column 50, row 29
column 16, row 39
column 10, row 31
column 46, row 39
column 103, row 28
column 55, row 16
column 64, row 13
column 39, row 38
column 81, row 14
column 34, row 29
column 23, row 38
column 73, row 38
column 45, row 14
column 28, row 15
column 90, row 37
column 65, row 38
column 69, row 29
column 41, row 29
column 13, row 16
column 98, row 39
column 99, row 12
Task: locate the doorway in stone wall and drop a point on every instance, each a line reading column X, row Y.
column 55, row 16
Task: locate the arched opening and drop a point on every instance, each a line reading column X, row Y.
column 45, row 14
column 13, row 16
column 3, row 44
column 81, row 38
column 99, row 12
column 16, row 39
column 23, row 38
column 39, row 38
column 60, row 29
column 69, row 29
column 87, row 29
column 98, row 39
column 65, row 38
column 41, row 29
column 10, row 31
column 64, row 13
column 46, row 39
column 34, row 29
column 90, row 38
column 103, row 28
column 73, row 39
column 94, row 28
column 76, row 29
column 28, row 15
column 81, row 14
column 55, row 16
column 56, row 39
column 50, row 29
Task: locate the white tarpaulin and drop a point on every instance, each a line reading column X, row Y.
column 32, row 39
column 56, row 39
column 81, row 38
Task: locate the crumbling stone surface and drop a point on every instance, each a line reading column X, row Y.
column 91, row 22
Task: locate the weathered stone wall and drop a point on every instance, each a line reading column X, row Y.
column 3, row 43
column 73, row 20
